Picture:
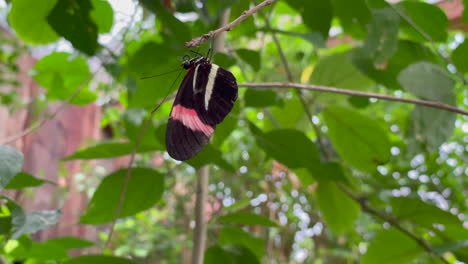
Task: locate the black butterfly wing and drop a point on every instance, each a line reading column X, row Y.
column 205, row 97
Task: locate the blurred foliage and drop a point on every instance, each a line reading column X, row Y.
column 285, row 187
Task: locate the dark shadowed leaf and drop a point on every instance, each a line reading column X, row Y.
column 72, row 20
column 224, row 60
column 99, row 259
column 391, row 246
column 28, row 19
column 354, row 16
column 109, row 150
column 35, row 221
column 246, row 218
column 61, row 75
column 103, row 15
column 261, row 98
column 339, row 210
column 459, row 56
column 11, row 162
column 251, row 57
column 215, row 255
column 24, row 180
column 210, row 155
column 224, row 129
column 360, row 140
column 382, row 39
column 237, row 236
column 465, row 11
column 144, row 189
column 316, row 15
column 418, row 12
column 450, row 246
column 232, row 254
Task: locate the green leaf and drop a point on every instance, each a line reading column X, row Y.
column 134, row 120
column 72, row 20
column 316, row 15
column 230, row 254
column 35, row 221
column 237, row 236
column 424, row 214
column 223, row 130
column 24, row 180
column 103, row 14
column 360, row 140
column 109, row 150
column 210, row 155
column 13, row 221
column 314, row 38
column 459, row 56
column 144, row 189
column 418, row 12
column 391, row 246
column 99, row 259
column 428, row 129
column 224, row 60
column 28, row 19
column 11, row 162
column 246, row 218
column 251, row 57
column 177, row 28
column 142, row 63
column 52, row 249
column 428, row 81
column 382, row 40
column 61, row 76
column 261, row 98
column 353, row 15
column 337, row 208
column 289, row 147
column 450, row 246
column 337, row 70
column 465, row 11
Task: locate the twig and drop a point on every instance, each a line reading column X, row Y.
column 392, row 221
column 433, row 104
column 199, row 236
column 199, row 40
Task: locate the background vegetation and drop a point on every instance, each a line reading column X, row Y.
column 295, row 176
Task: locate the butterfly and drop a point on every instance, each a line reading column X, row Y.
column 205, row 97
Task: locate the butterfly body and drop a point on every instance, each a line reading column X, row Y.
column 205, row 97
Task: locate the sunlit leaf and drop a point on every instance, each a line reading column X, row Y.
column 24, row 180
column 103, row 15
column 109, row 150
column 459, row 56
column 144, row 189
column 11, row 162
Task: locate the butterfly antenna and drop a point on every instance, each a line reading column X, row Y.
column 167, row 94
column 152, row 76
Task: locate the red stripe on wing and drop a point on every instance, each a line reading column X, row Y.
column 190, row 119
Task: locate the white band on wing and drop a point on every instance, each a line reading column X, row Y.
column 210, row 84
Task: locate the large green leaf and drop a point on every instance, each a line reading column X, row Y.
column 337, row 70
column 24, row 180
column 427, row 80
column 237, row 236
column 354, row 16
column 11, row 162
column 150, row 59
column 232, row 254
column 459, row 56
column 28, row 19
column 99, row 259
column 418, row 13
column 144, row 189
column 261, row 98
column 72, row 20
column 61, row 76
column 12, row 218
column 103, row 15
column 109, row 150
column 35, row 221
column 251, row 57
column 382, row 40
column 391, row 247
column 428, row 127
column 421, row 213
column 316, row 15
column 246, row 218
column 339, row 210
column 360, row 140
column 290, row 147
column 210, row 155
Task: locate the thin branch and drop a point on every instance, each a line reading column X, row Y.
column 392, row 221
column 199, row 40
column 433, row 104
column 199, row 236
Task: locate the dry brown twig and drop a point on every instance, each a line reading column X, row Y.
column 433, row 104
column 199, row 40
